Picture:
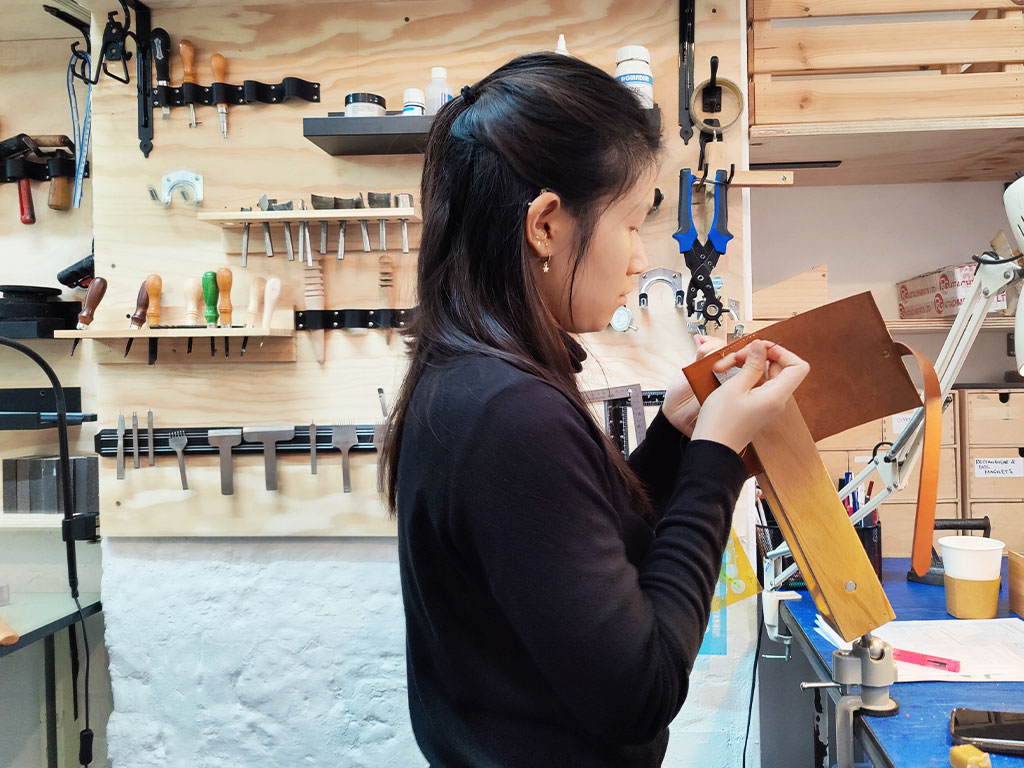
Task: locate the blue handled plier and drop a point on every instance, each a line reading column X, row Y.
column 702, row 256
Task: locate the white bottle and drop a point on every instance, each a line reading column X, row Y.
column 413, row 102
column 633, row 69
column 560, row 48
column 437, row 92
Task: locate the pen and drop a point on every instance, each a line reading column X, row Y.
column 924, row 660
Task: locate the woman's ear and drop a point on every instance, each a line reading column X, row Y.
column 547, row 224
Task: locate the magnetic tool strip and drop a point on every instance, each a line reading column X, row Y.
column 106, row 441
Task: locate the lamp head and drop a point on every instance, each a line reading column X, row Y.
column 1013, row 201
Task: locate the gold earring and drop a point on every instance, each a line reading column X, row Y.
column 547, row 261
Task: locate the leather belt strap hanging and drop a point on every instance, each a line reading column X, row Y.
column 928, row 490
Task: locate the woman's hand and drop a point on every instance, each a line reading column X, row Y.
column 681, row 406
column 735, row 412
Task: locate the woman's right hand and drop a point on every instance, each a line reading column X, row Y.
column 735, row 412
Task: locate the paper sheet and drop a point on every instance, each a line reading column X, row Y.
column 989, row 650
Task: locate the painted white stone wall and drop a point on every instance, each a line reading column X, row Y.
column 292, row 652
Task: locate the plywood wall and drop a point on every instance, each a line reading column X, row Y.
column 347, row 46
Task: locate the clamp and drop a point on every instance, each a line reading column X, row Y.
column 702, row 256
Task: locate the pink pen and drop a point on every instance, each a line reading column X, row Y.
column 924, row 660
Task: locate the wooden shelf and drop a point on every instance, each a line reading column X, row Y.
column 996, row 323
column 175, row 333
column 394, row 134
column 238, row 219
column 893, row 151
column 39, row 521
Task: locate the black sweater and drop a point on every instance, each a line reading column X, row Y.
column 547, row 624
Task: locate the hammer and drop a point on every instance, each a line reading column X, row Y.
column 61, row 167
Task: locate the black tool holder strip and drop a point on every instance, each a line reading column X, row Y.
column 198, row 443
column 225, row 93
column 337, row 319
column 15, row 168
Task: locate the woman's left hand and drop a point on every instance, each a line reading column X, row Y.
column 681, row 406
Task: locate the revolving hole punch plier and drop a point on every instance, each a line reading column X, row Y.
column 701, row 256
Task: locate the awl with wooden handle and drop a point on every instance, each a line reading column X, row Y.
column 219, row 65
column 210, row 296
column 138, row 318
column 187, row 51
column 193, row 298
column 93, row 297
column 252, row 315
column 270, row 299
column 224, row 304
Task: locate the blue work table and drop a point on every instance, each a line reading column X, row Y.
column 918, row 736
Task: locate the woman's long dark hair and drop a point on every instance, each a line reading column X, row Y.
column 541, row 121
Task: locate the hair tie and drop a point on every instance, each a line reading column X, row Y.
column 468, row 95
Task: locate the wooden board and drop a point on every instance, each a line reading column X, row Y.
column 792, row 296
column 875, row 46
column 900, row 97
column 788, row 9
column 816, row 526
column 345, row 47
column 894, row 151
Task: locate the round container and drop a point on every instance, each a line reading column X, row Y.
column 365, row 105
column 633, row 69
column 971, row 558
column 413, row 102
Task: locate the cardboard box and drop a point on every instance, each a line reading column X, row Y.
column 940, row 293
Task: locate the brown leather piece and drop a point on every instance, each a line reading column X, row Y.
column 856, row 373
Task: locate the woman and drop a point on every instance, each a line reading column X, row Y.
column 555, row 595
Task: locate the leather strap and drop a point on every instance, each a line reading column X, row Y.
column 928, row 491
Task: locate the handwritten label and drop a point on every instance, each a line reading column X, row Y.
column 999, row 467
column 900, row 421
column 861, row 459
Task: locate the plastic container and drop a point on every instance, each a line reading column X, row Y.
column 413, row 102
column 560, row 48
column 972, row 558
column 437, row 92
column 633, row 69
column 365, row 105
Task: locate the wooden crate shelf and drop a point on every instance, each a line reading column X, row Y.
column 887, row 102
column 175, row 333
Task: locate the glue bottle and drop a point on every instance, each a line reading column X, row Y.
column 633, row 70
column 437, row 92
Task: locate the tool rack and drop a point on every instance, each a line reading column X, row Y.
column 106, row 441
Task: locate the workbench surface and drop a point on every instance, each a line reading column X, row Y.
column 917, row 737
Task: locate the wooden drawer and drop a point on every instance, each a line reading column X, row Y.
column 893, row 425
column 949, row 476
column 1002, row 471
column 995, row 418
column 1007, row 522
column 898, row 526
column 864, row 437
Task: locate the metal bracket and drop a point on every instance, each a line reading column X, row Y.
column 662, row 275
column 339, row 319
column 185, row 180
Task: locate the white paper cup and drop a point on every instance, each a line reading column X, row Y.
column 971, row 558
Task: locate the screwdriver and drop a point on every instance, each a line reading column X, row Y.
column 188, row 56
column 93, row 297
column 193, row 296
column 210, row 297
column 138, row 318
column 219, row 65
column 161, row 42
column 252, row 316
column 224, row 304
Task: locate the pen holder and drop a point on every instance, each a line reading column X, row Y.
column 770, row 536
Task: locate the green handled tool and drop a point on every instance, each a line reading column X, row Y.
column 210, row 295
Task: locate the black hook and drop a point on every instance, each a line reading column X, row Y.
column 732, row 172
column 711, row 95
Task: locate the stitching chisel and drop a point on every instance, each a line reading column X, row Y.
column 135, row 439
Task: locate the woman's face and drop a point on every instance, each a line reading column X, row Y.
column 604, row 278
